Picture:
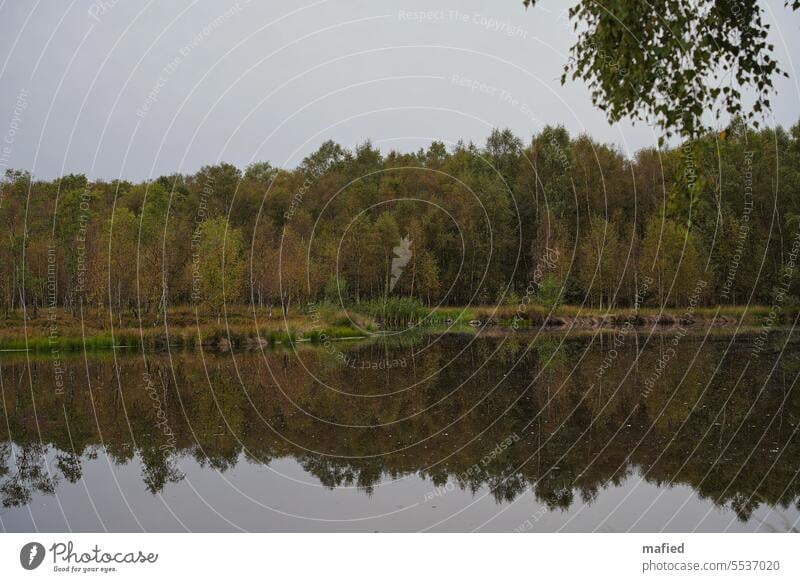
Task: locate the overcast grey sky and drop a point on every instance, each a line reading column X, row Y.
column 139, row 89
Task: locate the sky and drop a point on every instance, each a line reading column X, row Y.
column 134, row 89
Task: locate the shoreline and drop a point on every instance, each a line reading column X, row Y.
column 182, row 329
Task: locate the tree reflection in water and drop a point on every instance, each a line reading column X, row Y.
column 504, row 413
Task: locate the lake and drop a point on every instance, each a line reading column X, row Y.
column 490, row 432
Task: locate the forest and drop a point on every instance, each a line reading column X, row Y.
column 560, row 219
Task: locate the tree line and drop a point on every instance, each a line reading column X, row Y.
column 565, row 218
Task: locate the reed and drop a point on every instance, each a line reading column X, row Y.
column 394, row 312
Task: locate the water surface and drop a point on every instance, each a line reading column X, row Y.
column 512, row 432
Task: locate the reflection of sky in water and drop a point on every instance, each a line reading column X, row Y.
column 283, row 497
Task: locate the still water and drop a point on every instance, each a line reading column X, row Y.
column 506, row 432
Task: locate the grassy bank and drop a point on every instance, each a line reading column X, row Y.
column 239, row 328
column 243, row 328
